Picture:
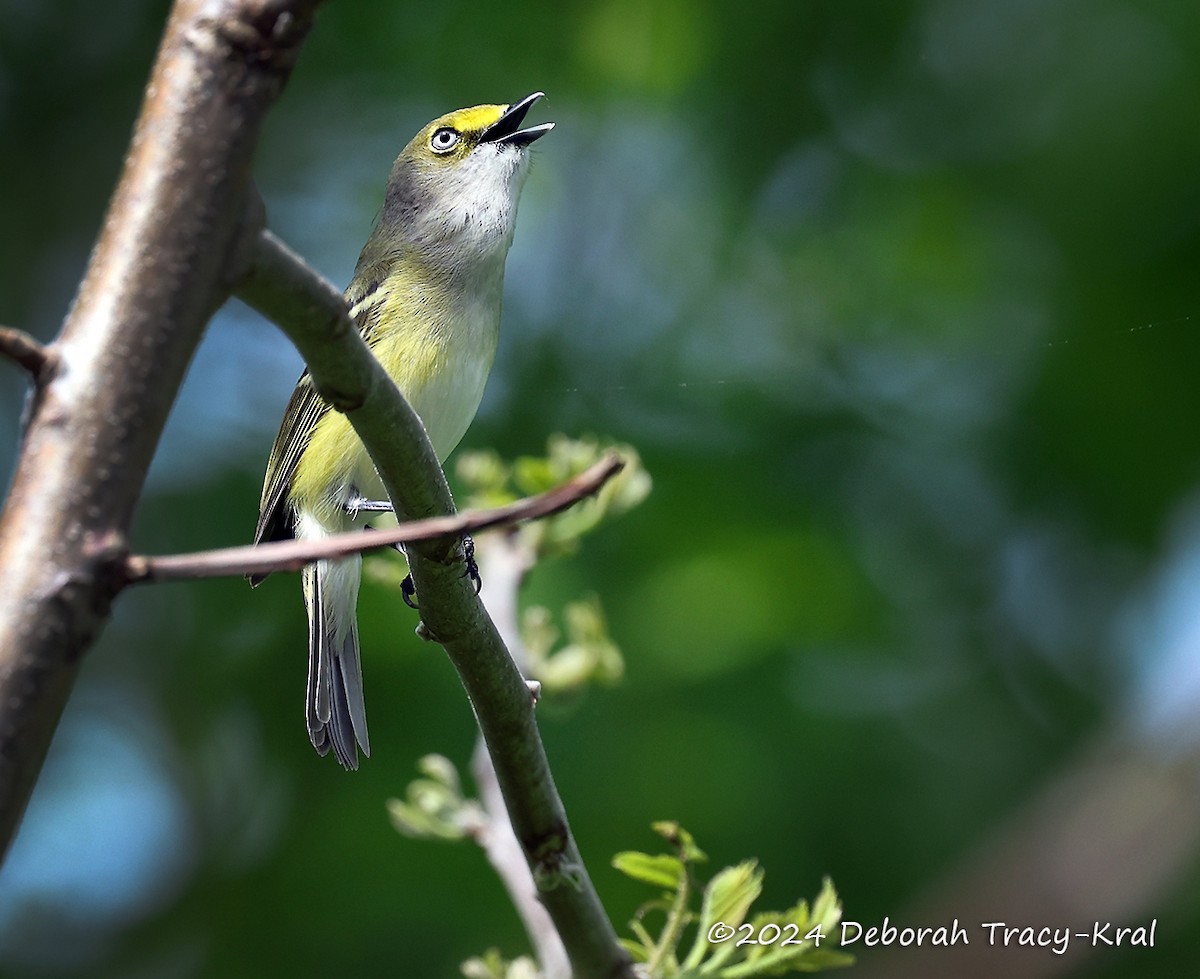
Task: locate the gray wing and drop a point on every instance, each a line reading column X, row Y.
column 304, row 410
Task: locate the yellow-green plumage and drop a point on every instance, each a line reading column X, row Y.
column 426, row 296
column 440, row 360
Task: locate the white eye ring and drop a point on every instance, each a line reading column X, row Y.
column 443, row 140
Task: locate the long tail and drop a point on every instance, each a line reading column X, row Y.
column 337, row 714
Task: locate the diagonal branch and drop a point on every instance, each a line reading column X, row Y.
column 159, row 269
column 24, row 351
column 314, row 315
column 292, row 555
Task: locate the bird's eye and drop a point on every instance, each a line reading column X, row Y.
column 443, row 140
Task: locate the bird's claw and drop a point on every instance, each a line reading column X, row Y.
column 408, row 590
column 472, row 571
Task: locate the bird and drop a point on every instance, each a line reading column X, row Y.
column 426, row 298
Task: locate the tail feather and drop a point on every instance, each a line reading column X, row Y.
column 336, row 710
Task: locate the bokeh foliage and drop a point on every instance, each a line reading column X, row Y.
column 897, row 302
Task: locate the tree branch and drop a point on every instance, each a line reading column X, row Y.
column 158, row 271
column 24, row 351
column 294, row 554
column 314, row 315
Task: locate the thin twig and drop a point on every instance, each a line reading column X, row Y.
column 504, row 853
column 25, row 351
column 293, row 555
column 504, row 562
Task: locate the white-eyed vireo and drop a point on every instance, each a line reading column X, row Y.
column 426, row 298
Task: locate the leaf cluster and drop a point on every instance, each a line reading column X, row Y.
column 490, row 482
column 728, row 942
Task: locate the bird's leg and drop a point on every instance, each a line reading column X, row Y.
column 356, row 504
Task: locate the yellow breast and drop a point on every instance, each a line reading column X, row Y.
column 437, row 341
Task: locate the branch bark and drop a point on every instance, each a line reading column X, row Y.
column 161, row 267
column 24, row 351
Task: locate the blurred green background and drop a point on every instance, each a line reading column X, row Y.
column 898, row 301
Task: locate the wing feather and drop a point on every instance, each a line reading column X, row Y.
column 303, row 411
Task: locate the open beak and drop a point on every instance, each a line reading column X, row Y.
column 504, row 130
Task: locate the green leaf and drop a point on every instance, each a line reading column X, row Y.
column 589, row 655
column 729, row 895
column 434, row 807
column 801, row 941
column 661, row 870
column 491, row 482
column 441, row 769
column 492, row 965
column 533, row 475
column 486, row 476
column 827, row 909
column 727, row 899
column 729, row 944
column 638, row 951
column 681, row 839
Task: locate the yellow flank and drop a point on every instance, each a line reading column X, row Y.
column 438, row 347
column 329, row 461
